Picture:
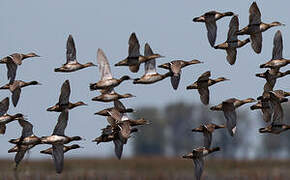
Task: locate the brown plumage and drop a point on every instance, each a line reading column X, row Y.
column 197, row 155
column 15, row 89
column 134, row 58
column 210, row 18
column 232, row 42
column 72, row 64
column 13, row 61
column 256, row 27
column 207, row 131
column 202, row 84
column 175, row 68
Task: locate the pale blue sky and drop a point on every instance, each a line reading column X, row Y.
column 43, row 27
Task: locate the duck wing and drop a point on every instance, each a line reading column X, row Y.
column 211, row 27
column 277, row 46
column 4, row 106
column 104, row 66
column 233, row 29
column 58, row 156
column 119, row 105
column 134, row 46
column 115, row 114
column 198, row 167
column 27, row 128
column 70, row 50
column 16, row 91
column 19, row 156
column 11, row 71
column 150, row 66
column 61, row 123
column 64, row 93
column 118, row 147
column 275, row 104
column 204, row 95
column 205, row 76
column 16, row 58
column 207, row 138
column 255, row 14
column 231, row 55
column 231, row 116
column 125, row 131
column 256, row 42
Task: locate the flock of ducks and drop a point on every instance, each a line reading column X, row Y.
column 120, row 126
column 270, row 101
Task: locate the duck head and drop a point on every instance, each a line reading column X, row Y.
column 77, row 138
column 89, row 64
column 123, row 78
column 265, row 129
column 34, row 83
column 32, row 54
column 276, row 23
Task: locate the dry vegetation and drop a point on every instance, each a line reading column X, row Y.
column 146, row 168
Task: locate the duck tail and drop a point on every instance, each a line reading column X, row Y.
column 92, row 87
column 175, row 81
column 2, row 128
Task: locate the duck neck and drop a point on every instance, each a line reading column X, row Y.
column 242, row 43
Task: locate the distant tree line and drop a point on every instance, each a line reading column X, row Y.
column 169, row 133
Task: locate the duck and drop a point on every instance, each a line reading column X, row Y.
column 232, row 42
column 63, row 101
column 207, row 131
column 275, row 63
column 65, row 149
column 26, row 142
column 275, row 128
column 118, row 105
column 175, row 67
column 237, row 103
column 6, row 118
column 277, row 60
column 134, row 58
column 15, row 89
column 229, row 107
column 150, row 76
column 271, row 77
column 210, row 18
column 111, row 95
column 202, row 84
column 12, row 61
column 107, row 80
column 58, row 139
column 276, row 97
column 72, row 64
column 197, row 155
column 256, row 27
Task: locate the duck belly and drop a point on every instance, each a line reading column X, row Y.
column 55, row 139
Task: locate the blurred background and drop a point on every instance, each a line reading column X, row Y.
column 43, row 27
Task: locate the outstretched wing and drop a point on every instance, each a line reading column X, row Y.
column 61, row 123
column 150, row 66
column 104, row 66
column 233, row 29
column 211, row 27
column 198, row 167
column 277, row 46
column 70, row 49
column 255, row 14
column 57, row 154
column 256, row 42
column 4, row 106
column 27, row 128
column 11, row 71
column 134, row 46
column 64, row 93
